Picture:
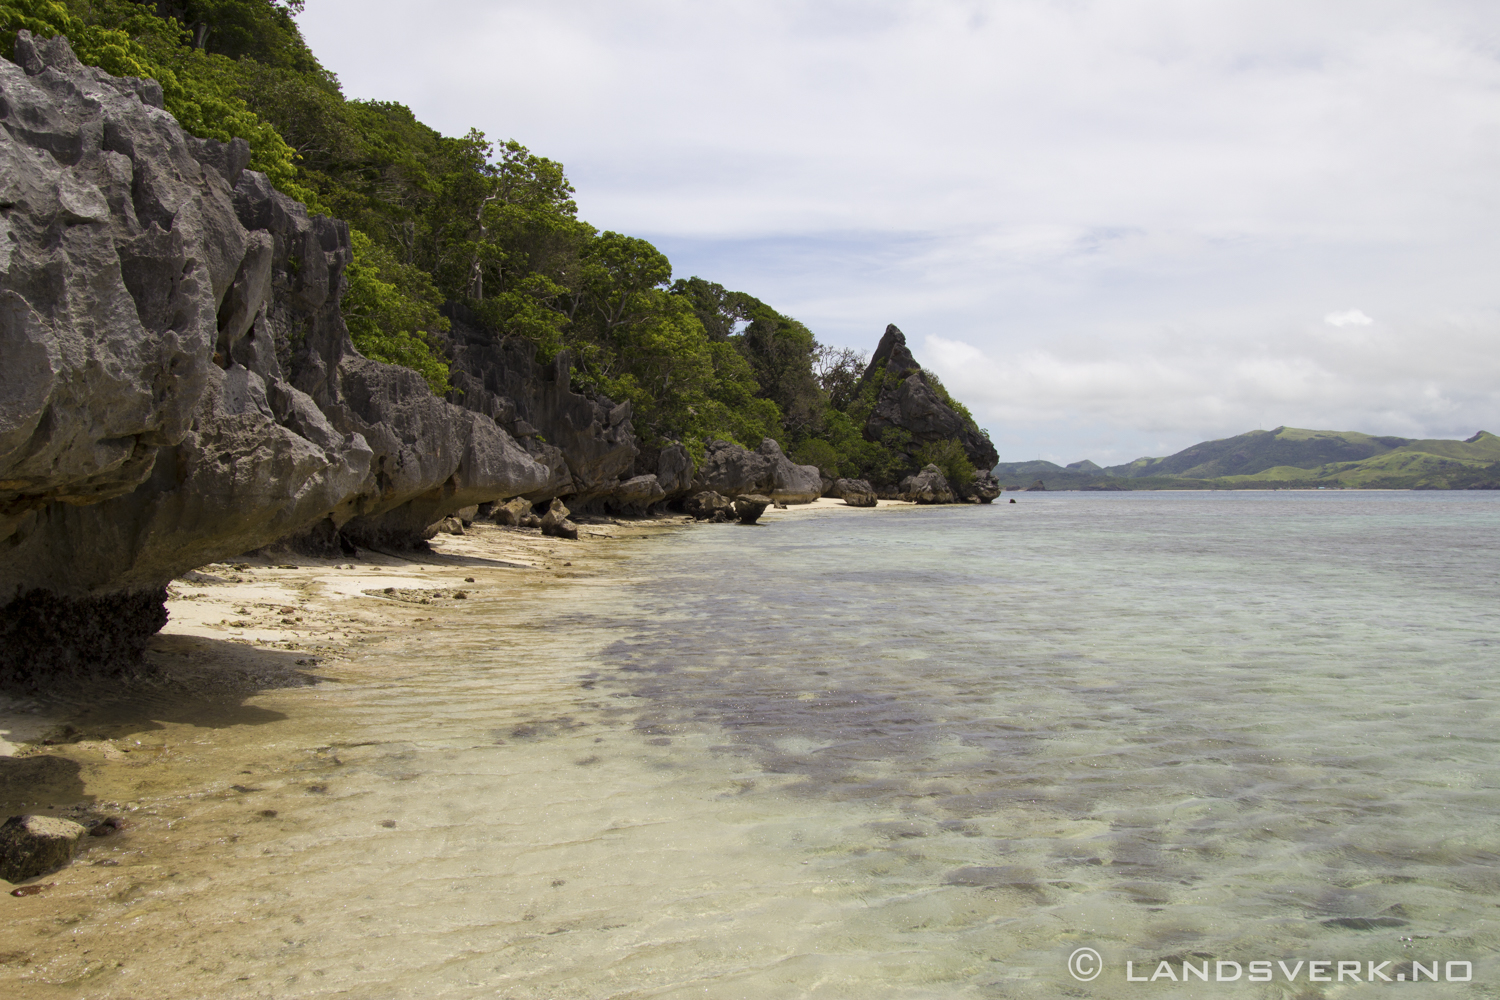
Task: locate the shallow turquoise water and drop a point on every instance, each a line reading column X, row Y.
column 1246, row 725
column 898, row 753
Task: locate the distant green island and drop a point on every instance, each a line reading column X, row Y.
column 1286, row 458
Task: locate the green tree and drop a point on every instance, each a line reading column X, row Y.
column 391, row 310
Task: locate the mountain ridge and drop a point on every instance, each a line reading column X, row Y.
column 1285, row 458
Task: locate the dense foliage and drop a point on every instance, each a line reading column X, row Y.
column 493, row 227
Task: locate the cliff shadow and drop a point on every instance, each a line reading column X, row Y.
column 182, row 679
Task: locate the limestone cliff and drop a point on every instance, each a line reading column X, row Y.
column 176, row 383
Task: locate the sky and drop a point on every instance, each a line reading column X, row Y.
column 1112, row 228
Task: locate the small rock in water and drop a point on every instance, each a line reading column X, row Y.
column 31, row 890
column 468, row 579
column 389, row 824
column 110, row 825
column 34, row 845
column 268, row 813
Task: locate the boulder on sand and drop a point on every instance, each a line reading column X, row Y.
column 511, row 512
column 555, row 522
column 856, row 492
column 35, row 845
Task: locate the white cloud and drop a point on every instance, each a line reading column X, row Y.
column 1113, row 201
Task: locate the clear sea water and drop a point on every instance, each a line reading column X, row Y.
column 904, row 753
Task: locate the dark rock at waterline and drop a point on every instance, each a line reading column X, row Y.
column 749, row 507
column 856, row 492
column 984, row 488
column 35, row 845
column 927, row 486
column 731, row 470
column 1037, row 487
column 706, row 504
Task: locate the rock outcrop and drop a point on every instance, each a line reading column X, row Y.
column 588, row 443
column 729, row 469
column 983, row 488
column 178, row 385
column 927, row 486
column 907, row 400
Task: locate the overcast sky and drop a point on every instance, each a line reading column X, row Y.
column 1113, row 228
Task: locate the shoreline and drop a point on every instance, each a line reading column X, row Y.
column 239, row 707
column 240, row 628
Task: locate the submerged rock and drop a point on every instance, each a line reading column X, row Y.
column 35, row 845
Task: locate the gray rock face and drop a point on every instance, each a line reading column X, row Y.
column 729, row 469
column 589, row 444
column 35, row 845
column 984, row 488
column 154, row 412
column 674, row 471
column 906, row 400
column 856, row 492
column 927, row 486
